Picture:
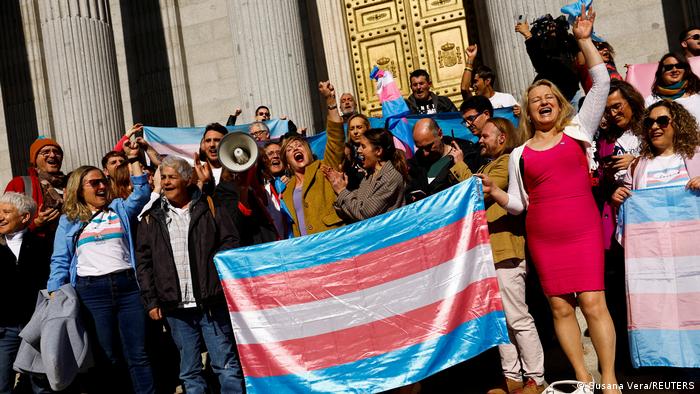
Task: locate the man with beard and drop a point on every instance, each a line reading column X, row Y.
column 209, row 148
column 439, row 161
column 690, row 41
column 44, row 184
column 348, row 106
column 424, row 102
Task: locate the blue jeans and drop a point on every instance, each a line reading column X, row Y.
column 9, row 345
column 115, row 310
column 192, row 326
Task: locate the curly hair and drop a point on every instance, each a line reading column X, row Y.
column 74, row 205
column 685, row 131
column 566, row 112
column 693, row 86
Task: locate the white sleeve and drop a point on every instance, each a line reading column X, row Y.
column 515, row 199
column 594, row 103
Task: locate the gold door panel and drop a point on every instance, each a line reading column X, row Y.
column 404, row 35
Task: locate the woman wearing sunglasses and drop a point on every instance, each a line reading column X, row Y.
column 93, row 251
column 549, row 177
column 675, row 80
column 669, row 151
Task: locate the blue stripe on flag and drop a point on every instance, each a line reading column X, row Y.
column 369, row 235
column 396, row 368
column 664, row 204
column 665, row 348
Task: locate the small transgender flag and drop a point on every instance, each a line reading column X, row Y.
column 662, row 269
column 370, row 306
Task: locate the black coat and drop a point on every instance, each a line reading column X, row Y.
column 418, row 186
column 253, row 229
column 209, row 233
column 21, row 279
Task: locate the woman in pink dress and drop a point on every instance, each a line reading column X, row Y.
column 549, row 177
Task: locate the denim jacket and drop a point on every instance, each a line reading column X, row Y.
column 64, row 260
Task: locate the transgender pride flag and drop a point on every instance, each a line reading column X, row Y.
column 370, row 306
column 662, row 264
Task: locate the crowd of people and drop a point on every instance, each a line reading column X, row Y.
column 135, row 239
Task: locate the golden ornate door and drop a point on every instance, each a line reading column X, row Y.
column 402, row 36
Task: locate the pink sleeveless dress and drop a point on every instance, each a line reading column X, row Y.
column 563, row 228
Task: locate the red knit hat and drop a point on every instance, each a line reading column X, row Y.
column 38, row 145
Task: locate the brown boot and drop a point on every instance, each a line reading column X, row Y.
column 530, row 387
column 506, row 387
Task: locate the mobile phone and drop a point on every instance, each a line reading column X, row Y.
column 138, row 133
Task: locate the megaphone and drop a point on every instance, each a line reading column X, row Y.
column 238, row 151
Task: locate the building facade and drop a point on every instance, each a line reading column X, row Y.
column 83, row 71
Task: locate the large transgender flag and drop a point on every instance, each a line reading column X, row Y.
column 370, row 306
column 662, row 263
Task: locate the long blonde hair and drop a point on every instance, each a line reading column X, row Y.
column 74, row 205
column 566, row 112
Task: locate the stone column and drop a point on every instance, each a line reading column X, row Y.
column 335, row 47
column 505, row 52
column 269, row 59
column 5, row 162
column 82, row 74
column 176, row 61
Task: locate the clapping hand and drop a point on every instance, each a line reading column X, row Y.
column 338, row 180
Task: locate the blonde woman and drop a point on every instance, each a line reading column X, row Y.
column 93, row 251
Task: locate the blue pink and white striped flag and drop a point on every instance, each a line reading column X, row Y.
column 662, row 264
column 370, row 306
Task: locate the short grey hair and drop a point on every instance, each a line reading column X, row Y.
column 257, row 125
column 23, row 203
column 178, row 164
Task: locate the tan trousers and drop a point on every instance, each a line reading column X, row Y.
column 524, row 355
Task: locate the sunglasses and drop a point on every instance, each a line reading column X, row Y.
column 695, row 37
column 663, row 122
column 95, row 183
column 426, row 148
column 669, row 67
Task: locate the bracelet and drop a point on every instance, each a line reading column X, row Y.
column 133, row 160
column 468, row 68
column 334, row 106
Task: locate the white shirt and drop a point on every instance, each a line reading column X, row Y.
column 502, row 100
column 691, row 103
column 14, row 242
column 628, row 142
column 216, row 173
column 663, row 171
column 102, row 247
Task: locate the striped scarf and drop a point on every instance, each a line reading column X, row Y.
column 671, row 92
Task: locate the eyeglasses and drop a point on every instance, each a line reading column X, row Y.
column 471, row 118
column 669, row 67
column 663, row 122
column 48, row 152
column 615, row 109
column 95, row 183
column 258, row 133
column 695, row 37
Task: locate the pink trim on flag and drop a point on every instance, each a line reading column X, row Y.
column 644, row 240
column 358, row 273
column 352, row 344
column 665, row 311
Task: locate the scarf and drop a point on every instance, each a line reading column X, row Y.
column 52, row 188
column 671, row 92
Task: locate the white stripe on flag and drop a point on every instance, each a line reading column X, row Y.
column 364, row 306
column 663, row 275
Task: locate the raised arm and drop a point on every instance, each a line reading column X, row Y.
column 335, row 137
column 594, row 103
column 470, row 55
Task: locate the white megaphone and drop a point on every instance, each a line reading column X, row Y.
column 238, row 151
